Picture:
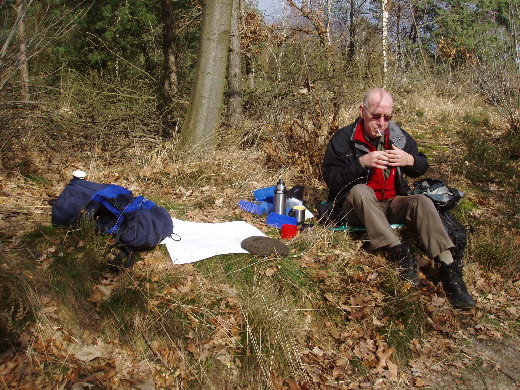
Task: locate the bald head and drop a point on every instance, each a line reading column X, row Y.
column 376, row 108
column 375, row 96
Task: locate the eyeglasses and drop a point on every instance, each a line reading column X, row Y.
column 378, row 116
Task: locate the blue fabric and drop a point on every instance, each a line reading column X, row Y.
column 136, row 221
column 74, row 198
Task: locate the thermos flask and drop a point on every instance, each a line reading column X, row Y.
column 280, row 197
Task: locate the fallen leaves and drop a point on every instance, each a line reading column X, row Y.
column 350, row 349
column 88, row 353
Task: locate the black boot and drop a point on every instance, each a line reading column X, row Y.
column 454, row 286
column 402, row 255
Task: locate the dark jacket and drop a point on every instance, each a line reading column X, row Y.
column 342, row 170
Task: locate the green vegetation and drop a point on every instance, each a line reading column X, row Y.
column 496, row 249
column 17, row 309
column 406, row 313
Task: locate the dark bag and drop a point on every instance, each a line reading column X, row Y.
column 74, row 198
column 457, row 232
column 445, row 198
column 137, row 223
column 330, row 215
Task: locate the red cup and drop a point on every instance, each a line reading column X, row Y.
column 289, row 231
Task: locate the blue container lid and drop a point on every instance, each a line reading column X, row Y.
column 265, row 194
column 251, row 207
column 277, row 220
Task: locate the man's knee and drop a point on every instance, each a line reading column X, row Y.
column 359, row 197
column 425, row 204
column 360, row 192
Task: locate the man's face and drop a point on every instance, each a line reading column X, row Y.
column 378, row 105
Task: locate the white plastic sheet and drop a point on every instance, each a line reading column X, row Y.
column 194, row 241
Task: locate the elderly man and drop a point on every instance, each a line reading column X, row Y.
column 363, row 168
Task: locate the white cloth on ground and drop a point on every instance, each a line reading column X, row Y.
column 199, row 241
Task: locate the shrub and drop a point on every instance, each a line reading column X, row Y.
column 17, row 307
column 495, row 249
column 486, row 158
column 302, row 144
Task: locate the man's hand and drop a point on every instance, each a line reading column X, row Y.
column 399, row 158
column 377, row 159
column 394, row 157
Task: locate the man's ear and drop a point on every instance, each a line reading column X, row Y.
column 361, row 110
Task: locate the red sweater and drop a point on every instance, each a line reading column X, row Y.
column 383, row 188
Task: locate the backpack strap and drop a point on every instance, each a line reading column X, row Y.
column 115, row 199
column 124, row 259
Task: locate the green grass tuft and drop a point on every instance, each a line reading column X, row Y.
column 17, row 307
column 78, row 263
column 406, row 314
column 495, row 249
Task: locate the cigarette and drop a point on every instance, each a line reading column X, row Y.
column 379, row 133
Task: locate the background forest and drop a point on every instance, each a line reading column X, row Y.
column 131, row 92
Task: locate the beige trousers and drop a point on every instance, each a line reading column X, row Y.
column 416, row 211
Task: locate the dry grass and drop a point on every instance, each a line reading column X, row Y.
column 328, row 314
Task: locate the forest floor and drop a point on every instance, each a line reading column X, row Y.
column 354, row 344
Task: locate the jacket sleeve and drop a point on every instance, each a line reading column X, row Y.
column 420, row 165
column 341, row 167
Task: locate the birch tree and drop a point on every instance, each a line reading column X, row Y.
column 384, row 14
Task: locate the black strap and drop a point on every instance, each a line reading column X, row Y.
column 124, row 259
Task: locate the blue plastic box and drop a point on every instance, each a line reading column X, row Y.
column 265, row 194
column 277, row 220
column 268, row 207
column 250, row 207
column 259, row 208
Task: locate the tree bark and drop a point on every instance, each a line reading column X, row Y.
column 23, row 64
column 204, row 113
column 327, row 21
column 417, row 35
column 249, row 61
column 514, row 16
column 250, row 71
column 234, row 69
column 399, row 33
column 351, row 51
column 170, row 82
column 384, row 11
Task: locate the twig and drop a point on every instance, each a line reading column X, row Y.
column 157, row 355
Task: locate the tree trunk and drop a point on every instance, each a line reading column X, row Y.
column 384, row 10
column 514, row 16
column 234, row 69
column 249, row 63
column 327, row 21
column 400, row 57
column 417, row 35
column 170, row 82
column 351, row 31
column 23, row 65
column 204, row 113
column 250, row 71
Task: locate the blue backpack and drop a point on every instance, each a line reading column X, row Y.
column 137, row 223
